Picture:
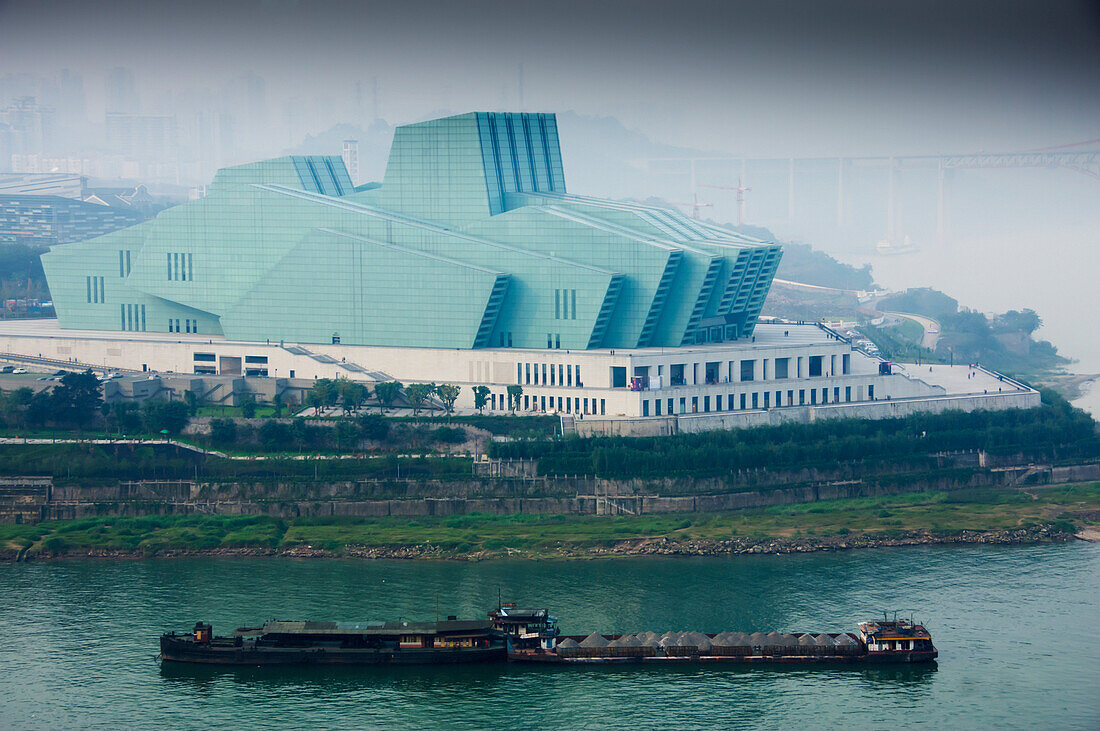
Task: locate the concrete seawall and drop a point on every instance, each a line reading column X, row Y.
column 71, row 503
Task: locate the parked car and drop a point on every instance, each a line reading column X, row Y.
column 19, row 370
column 7, row 369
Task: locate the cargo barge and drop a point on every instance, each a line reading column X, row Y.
column 532, row 636
column 340, row 643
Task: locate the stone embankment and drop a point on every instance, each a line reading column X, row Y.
column 661, row 546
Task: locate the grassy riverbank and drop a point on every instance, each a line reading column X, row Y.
column 919, row 518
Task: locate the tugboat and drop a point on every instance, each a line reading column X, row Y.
column 532, row 635
column 339, row 643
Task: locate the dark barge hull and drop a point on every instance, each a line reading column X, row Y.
column 868, row 658
column 178, row 649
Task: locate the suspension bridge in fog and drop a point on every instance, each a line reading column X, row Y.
column 803, row 177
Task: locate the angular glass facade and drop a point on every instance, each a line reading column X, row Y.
column 470, row 241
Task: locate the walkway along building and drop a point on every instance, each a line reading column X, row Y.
column 469, row 264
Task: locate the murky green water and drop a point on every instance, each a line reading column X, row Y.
column 1018, row 630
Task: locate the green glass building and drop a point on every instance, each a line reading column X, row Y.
column 470, row 241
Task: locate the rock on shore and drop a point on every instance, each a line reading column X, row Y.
column 662, row 546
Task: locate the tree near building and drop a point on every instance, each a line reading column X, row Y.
column 14, row 405
column 418, row 394
column 248, row 406
column 481, row 397
column 386, row 393
column 352, row 395
column 448, row 394
column 223, row 431
column 127, row 416
column 76, row 399
column 373, row 426
column 170, row 416
column 325, row 393
column 515, row 393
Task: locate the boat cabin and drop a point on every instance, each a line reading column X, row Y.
column 899, row 635
column 451, row 633
column 525, row 628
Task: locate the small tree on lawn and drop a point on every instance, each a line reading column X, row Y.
column 481, row 397
column 387, row 392
column 515, row 393
column 448, row 394
column 417, row 394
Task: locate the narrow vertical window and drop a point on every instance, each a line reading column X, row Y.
column 569, row 375
column 573, row 308
column 102, row 296
column 557, row 304
column 127, row 262
column 122, row 317
column 557, row 341
column 176, row 266
column 143, row 318
column 121, row 264
column 88, row 282
column 169, row 267
column 190, row 267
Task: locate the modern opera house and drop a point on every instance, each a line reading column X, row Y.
column 468, row 264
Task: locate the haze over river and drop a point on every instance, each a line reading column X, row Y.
column 1015, row 627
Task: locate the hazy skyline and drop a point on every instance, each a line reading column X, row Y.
column 770, row 79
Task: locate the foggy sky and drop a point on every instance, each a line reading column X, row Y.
column 758, row 78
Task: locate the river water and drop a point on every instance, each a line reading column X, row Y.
column 1016, row 629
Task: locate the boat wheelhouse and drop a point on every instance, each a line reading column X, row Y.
column 897, row 637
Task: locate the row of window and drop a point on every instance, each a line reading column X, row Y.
column 755, row 400
column 95, row 289
column 565, row 304
column 132, row 317
column 713, row 372
column 191, row 326
column 553, row 340
column 123, row 263
column 181, row 267
column 562, row 404
column 549, row 374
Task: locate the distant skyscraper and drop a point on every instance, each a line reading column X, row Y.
column 32, row 126
column 70, row 102
column 142, row 136
column 122, row 95
column 351, row 159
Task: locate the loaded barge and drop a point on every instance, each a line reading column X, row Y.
column 532, row 636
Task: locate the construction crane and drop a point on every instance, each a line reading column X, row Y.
column 695, row 206
column 741, row 190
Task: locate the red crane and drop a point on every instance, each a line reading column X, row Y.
column 741, row 190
